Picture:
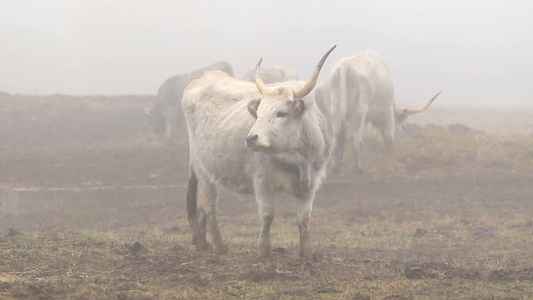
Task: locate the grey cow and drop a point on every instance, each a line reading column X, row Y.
column 254, row 138
column 360, row 91
column 165, row 115
column 273, row 74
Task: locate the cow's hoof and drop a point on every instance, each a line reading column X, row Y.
column 201, row 245
column 307, row 253
column 264, row 247
column 264, row 252
column 201, row 248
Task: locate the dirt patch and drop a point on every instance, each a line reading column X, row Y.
column 94, row 167
column 256, row 276
column 65, row 141
column 436, row 270
column 510, row 275
column 396, row 297
column 446, row 214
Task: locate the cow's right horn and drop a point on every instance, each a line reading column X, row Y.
column 415, row 110
column 258, row 81
column 310, row 84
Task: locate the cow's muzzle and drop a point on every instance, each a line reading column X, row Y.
column 251, row 139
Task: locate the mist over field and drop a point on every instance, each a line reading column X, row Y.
column 477, row 52
column 98, row 183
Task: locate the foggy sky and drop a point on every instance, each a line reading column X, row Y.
column 477, row 52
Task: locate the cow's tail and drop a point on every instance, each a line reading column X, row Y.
column 192, row 197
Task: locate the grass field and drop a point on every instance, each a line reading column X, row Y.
column 447, row 215
column 457, row 244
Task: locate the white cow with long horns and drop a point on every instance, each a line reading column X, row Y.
column 360, row 91
column 253, row 138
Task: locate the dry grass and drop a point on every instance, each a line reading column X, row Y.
column 445, row 216
column 494, row 120
column 414, row 254
column 455, row 150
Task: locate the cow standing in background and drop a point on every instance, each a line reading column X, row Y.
column 273, row 74
column 254, row 138
column 360, row 91
column 165, row 115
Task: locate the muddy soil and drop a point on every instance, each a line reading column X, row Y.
column 62, row 141
column 96, row 141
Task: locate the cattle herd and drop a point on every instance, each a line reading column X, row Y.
column 271, row 133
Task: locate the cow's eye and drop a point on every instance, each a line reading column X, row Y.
column 281, row 114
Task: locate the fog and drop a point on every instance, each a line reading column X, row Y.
column 477, row 52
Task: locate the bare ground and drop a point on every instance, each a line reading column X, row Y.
column 448, row 215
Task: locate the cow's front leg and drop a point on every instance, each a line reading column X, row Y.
column 264, row 196
column 266, row 213
column 303, row 214
column 338, row 149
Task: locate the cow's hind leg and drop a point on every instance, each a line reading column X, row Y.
column 199, row 238
column 303, row 214
column 388, row 138
column 196, row 213
column 357, row 139
column 171, row 124
column 210, row 202
column 338, row 150
column 388, row 128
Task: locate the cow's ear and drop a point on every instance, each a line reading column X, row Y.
column 298, row 106
column 252, row 107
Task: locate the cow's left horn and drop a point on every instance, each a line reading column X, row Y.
column 415, row 110
column 310, row 84
column 258, row 81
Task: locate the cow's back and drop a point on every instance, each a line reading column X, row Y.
column 362, row 79
column 215, row 93
column 381, row 88
column 221, row 66
column 372, row 65
column 171, row 92
column 370, row 71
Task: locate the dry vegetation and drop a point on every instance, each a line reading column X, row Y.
column 454, row 150
column 448, row 215
column 448, row 247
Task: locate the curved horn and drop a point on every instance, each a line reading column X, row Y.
column 258, row 81
column 310, row 84
column 415, row 110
